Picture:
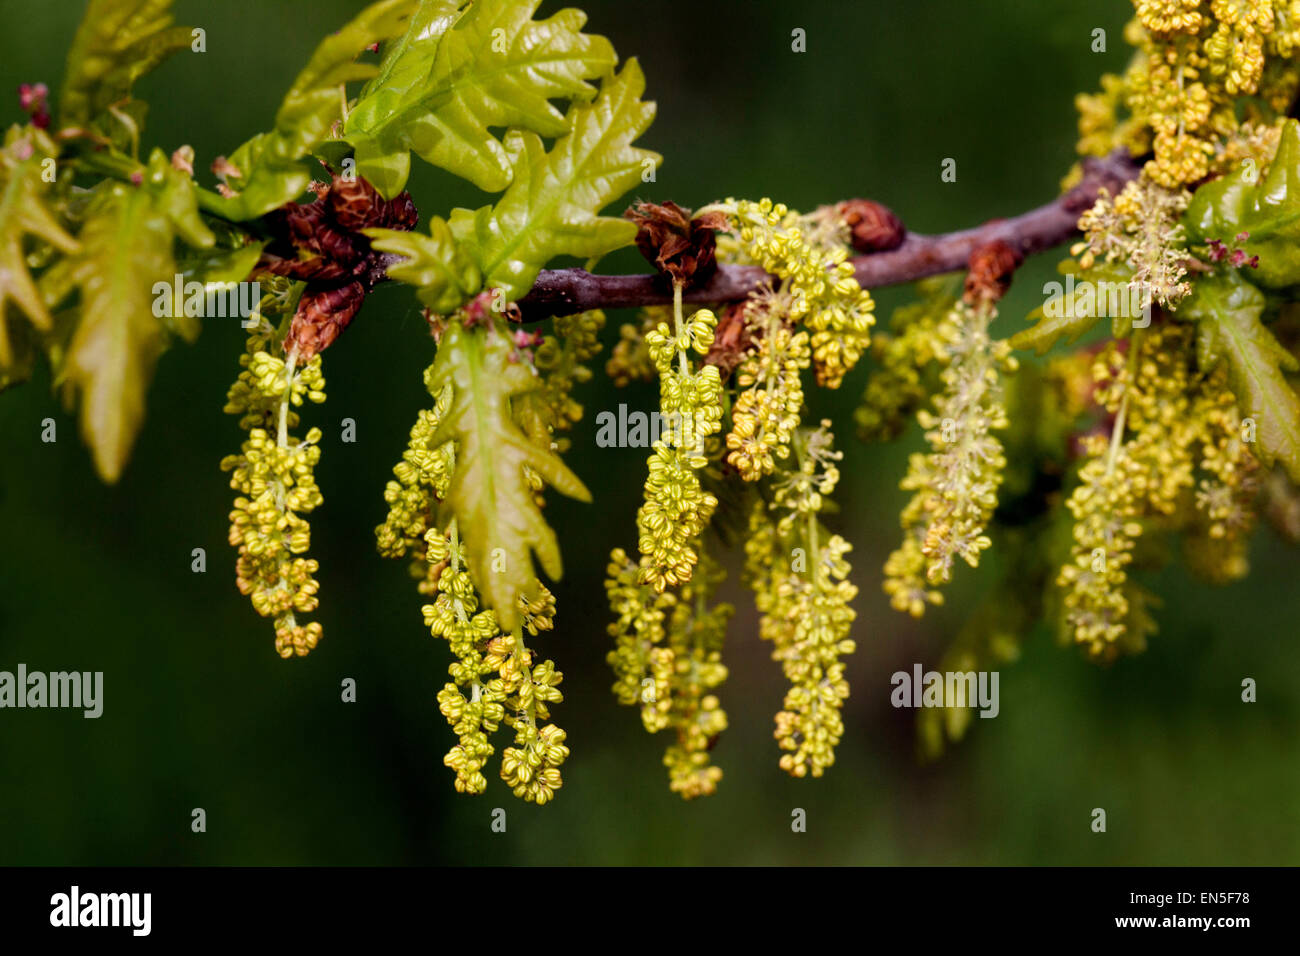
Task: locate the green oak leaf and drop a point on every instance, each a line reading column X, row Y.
column 1227, row 311
column 127, row 242
column 496, row 514
column 118, row 42
column 462, row 69
column 23, row 214
column 436, row 264
column 272, row 165
column 126, row 246
column 383, row 160
column 1071, row 319
column 551, row 207
column 1269, row 210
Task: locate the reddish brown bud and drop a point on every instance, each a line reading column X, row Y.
column 991, row 267
column 677, row 245
column 322, row 316
column 321, row 243
column 731, row 340
column 873, row 227
column 355, row 204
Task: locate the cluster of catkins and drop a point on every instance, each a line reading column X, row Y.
column 1201, row 68
column 1152, row 423
column 1176, row 455
column 668, row 634
column 496, row 677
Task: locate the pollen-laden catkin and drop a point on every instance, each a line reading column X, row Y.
column 531, row 768
column 494, row 681
column 696, row 632
column 898, row 387
column 770, row 401
column 560, row 362
column 1105, row 505
column 812, row 263
column 1139, row 229
column 420, row 481
column 1121, row 482
column 273, row 475
column 799, row 576
column 1226, row 494
column 667, row 659
column 955, row 485
column 642, row 665
column 676, row 509
column 1168, row 420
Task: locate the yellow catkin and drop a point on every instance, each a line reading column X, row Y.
column 676, row 509
column 1169, row 421
column 273, row 475
column 495, row 678
column 495, row 681
column 816, row 276
column 770, row 399
column 799, row 576
column 667, row 660
column 955, row 485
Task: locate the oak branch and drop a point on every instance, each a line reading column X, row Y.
column 565, row 291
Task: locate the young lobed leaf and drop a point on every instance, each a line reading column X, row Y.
column 1267, row 210
column 126, row 246
column 498, row 518
column 551, row 206
column 118, row 42
column 23, row 214
column 1227, row 311
column 271, row 165
column 461, row 69
column 436, row 264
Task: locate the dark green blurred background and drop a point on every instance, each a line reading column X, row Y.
column 199, row 712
